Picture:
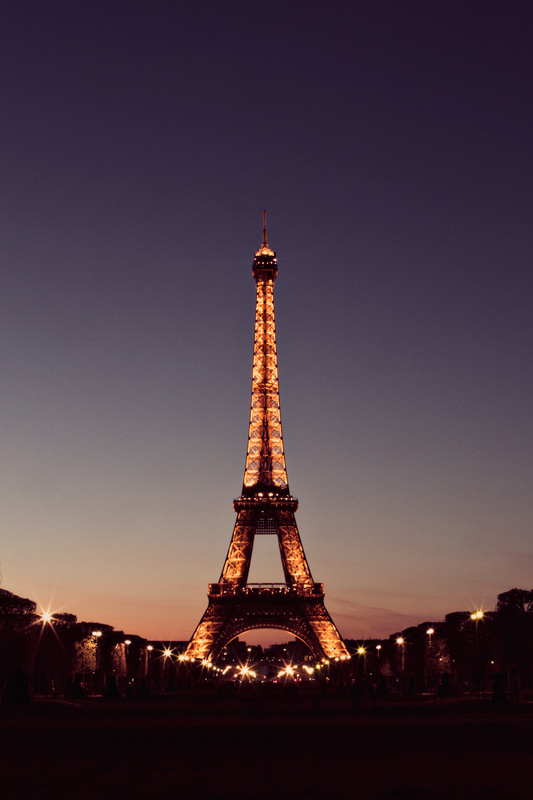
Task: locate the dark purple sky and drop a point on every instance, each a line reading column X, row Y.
column 392, row 145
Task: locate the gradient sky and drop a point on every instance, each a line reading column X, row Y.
column 392, row 145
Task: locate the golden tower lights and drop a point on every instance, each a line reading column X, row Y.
column 265, row 507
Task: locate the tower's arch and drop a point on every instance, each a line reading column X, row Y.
column 246, row 627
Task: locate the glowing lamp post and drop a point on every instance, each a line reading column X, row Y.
column 97, row 635
column 361, row 661
column 149, row 650
column 46, row 621
column 127, row 643
column 429, row 660
column 401, row 642
column 476, row 616
column 167, row 677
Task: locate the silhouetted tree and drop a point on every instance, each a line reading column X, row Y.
column 18, row 637
column 515, row 601
column 459, row 635
column 514, row 627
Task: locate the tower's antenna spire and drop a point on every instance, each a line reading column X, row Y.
column 265, row 243
column 265, row 251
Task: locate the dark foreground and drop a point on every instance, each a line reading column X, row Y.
column 254, row 745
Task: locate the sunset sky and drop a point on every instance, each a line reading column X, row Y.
column 392, row 146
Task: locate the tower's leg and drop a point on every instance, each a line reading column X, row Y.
column 237, row 564
column 207, row 634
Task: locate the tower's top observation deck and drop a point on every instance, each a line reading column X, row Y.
column 265, row 264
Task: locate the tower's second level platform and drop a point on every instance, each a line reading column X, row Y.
column 266, row 501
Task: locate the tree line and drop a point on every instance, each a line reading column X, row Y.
column 467, row 652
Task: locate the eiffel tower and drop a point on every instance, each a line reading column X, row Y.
column 265, row 507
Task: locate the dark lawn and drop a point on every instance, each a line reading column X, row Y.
column 253, row 747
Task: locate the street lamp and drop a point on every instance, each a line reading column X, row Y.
column 476, row 616
column 46, row 620
column 149, row 649
column 97, row 635
column 400, row 642
column 127, row 643
column 429, row 659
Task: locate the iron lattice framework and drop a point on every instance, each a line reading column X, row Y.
column 265, row 507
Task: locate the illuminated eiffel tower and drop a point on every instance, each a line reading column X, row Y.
column 265, row 506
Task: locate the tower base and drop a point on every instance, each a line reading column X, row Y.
column 231, row 612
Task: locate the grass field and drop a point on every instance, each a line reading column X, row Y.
column 256, row 745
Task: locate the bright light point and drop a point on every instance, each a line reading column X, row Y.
column 399, row 640
column 127, row 641
column 245, row 671
column 378, row 647
column 97, row 633
column 430, row 631
column 46, row 617
column 150, row 648
column 477, row 615
column 167, row 653
column 361, row 650
column 181, row 657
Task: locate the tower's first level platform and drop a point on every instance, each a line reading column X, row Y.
column 315, row 590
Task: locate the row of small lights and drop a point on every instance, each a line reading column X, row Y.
column 430, row 631
column 361, row 651
column 47, row 619
column 261, row 495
